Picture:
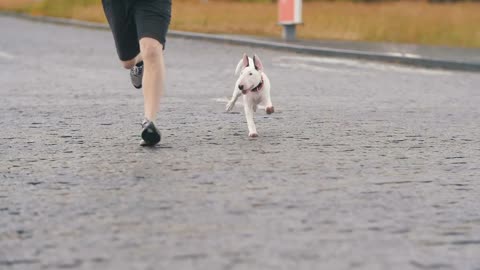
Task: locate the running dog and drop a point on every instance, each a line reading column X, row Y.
column 254, row 84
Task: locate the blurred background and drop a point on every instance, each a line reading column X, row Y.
column 428, row 22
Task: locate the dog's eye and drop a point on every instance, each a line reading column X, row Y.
column 250, row 74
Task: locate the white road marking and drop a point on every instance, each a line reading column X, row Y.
column 6, row 55
column 326, row 64
column 224, row 100
column 309, row 67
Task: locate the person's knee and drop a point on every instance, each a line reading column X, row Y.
column 150, row 48
column 128, row 64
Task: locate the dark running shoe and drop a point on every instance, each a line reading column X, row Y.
column 150, row 134
column 136, row 75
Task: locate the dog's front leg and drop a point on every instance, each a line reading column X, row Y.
column 268, row 103
column 269, row 108
column 252, row 130
column 236, row 93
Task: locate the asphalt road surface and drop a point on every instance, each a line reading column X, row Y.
column 362, row 166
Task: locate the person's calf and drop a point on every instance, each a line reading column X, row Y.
column 153, row 75
column 129, row 64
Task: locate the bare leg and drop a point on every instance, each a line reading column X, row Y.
column 151, row 51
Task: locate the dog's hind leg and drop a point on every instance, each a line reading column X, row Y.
column 236, row 93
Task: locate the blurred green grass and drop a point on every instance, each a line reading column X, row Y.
column 419, row 22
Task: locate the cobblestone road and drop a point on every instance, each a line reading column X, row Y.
column 362, row 166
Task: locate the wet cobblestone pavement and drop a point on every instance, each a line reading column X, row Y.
column 362, row 166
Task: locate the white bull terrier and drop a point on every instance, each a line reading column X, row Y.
column 254, row 84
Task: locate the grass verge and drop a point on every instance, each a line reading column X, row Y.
column 419, row 22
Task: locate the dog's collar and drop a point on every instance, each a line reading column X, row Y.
column 258, row 87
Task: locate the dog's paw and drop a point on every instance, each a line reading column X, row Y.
column 269, row 110
column 252, row 134
column 229, row 106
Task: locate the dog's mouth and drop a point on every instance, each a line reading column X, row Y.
column 253, row 89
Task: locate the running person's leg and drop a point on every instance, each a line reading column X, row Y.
column 124, row 31
column 121, row 18
column 152, row 18
column 139, row 28
column 153, row 75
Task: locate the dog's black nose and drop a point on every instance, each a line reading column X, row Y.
column 240, row 87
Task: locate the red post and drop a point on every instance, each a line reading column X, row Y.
column 289, row 15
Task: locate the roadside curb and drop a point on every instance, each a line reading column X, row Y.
column 283, row 46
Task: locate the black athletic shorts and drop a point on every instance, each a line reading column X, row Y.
column 131, row 20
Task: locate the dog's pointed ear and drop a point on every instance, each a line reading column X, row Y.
column 257, row 62
column 242, row 64
column 245, row 60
